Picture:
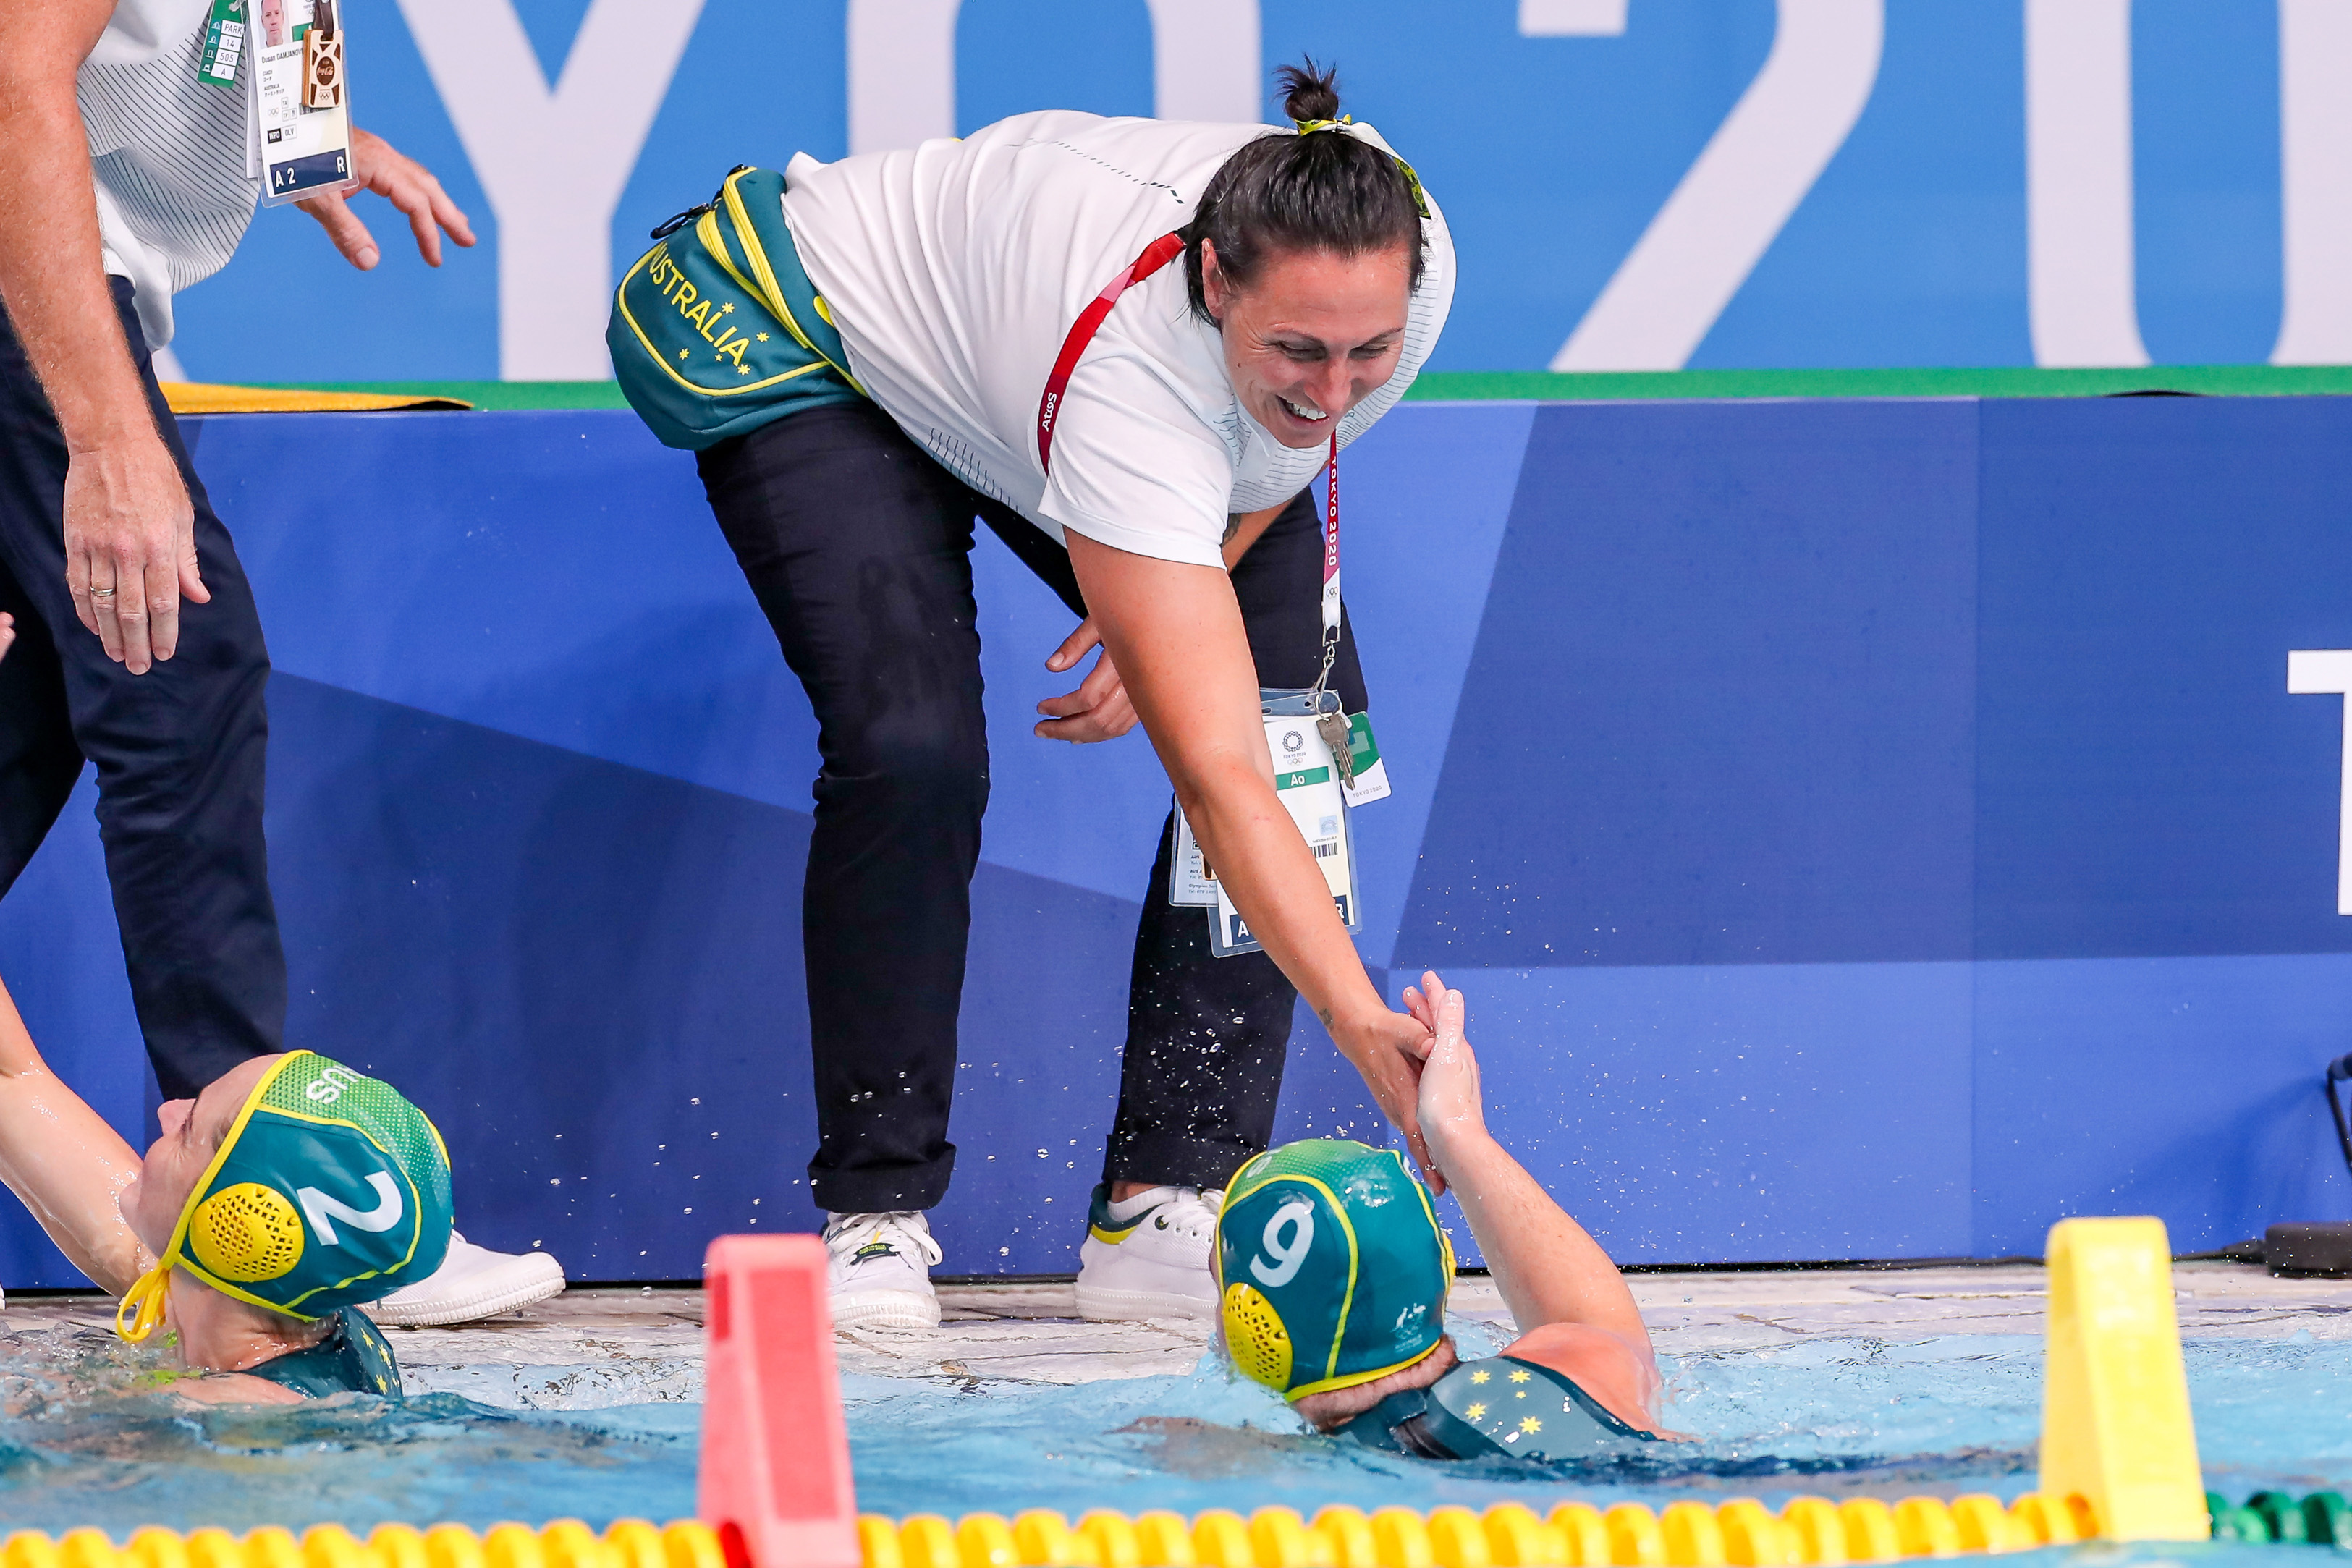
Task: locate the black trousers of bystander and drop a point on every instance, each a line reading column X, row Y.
column 179, row 752
column 857, row 546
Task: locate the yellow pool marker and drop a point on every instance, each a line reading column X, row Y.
column 2116, row 1426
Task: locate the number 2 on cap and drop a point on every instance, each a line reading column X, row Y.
column 1299, row 1216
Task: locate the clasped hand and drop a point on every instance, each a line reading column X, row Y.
column 1420, row 1068
column 1452, row 1111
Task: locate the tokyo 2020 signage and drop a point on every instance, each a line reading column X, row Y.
column 1634, row 185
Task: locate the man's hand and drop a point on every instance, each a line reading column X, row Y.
column 7, row 633
column 1388, row 1048
column 1452, row 1109
column 407, row 185
column 130, row 548
column 1099, row 709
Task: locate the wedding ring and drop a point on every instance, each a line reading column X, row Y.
column 101, row 593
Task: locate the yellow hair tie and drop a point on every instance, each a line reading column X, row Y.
column 144, row 1303
column 1412, row 180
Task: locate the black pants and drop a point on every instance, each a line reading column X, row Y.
column 180, row 753
column 859, row 547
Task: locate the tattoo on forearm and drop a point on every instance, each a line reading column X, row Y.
column 1325, row 1015
column 1232, row 527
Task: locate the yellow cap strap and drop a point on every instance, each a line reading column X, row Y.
column 1308, row 127
column 145, row 1303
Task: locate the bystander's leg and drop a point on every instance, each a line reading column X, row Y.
column 180, row 753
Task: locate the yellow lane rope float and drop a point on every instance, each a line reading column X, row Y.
column 1806, row 1530
column 1508, row 1535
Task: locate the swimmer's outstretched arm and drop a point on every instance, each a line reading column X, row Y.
column 1549, row 1270
column 64, row 1161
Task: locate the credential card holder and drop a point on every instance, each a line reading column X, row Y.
column 1229, row 935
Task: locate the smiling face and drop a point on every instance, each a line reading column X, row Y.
column 192, row 1131
column 1312, row 336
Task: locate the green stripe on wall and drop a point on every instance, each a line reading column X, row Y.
column 489, row 394
column 1479, row 386
column 2219, row 381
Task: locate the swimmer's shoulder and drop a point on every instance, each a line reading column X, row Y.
column 353, row 1358
column 1506, row 1407
column 1620, row 1377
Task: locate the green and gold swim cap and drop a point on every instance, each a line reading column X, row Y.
column 329, row 1189
column 1332, row 1265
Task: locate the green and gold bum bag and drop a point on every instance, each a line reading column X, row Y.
column 717, row 330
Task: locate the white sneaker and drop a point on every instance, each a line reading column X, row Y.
column 1148, row 1257
column 880, row 1274
column 472, row 1282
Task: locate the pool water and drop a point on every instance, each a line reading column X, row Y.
column 86, row 1440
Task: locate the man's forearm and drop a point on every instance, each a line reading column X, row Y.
column 52, row 274
column 127, row 524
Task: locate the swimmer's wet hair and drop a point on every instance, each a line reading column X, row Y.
column 1281, row 194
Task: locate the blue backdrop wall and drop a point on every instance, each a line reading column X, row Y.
column 1884, row 213
column 1868, row 828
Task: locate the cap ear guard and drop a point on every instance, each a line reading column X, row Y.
column 1255, row 1338
column 247, row 1233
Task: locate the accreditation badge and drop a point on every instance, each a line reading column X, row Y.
column 302, row 113
column 1307, row 782
column 1189, row 883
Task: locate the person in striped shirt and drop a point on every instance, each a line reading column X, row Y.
column 124, row 177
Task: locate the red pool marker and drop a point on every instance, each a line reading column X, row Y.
column 774, row 1478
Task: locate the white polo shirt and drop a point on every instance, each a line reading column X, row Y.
column 170, row 155
column 953, row 271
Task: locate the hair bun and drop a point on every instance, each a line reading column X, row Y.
column 1279, row 194
column 1309, row 91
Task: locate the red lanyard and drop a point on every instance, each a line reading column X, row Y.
column 1331, row 541
column 1156, row 254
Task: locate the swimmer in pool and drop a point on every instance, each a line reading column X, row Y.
column 289, row 1191
column 1333, row 1271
